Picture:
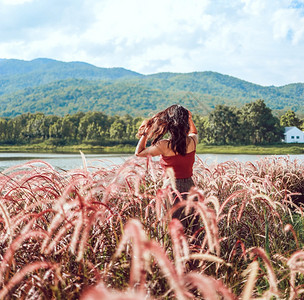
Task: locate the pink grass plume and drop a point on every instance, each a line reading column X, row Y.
column 252, row 272
column 179, row 244
column 296, row 265
column 100, row 292
column 211, row 288
column 6, row 261
column 289, row 227
column 272, row 279
column 19, row 276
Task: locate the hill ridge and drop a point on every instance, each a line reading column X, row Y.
column 31, row 86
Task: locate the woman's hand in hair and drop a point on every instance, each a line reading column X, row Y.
column 142, row 130
column 153, row 150
column 193, row 130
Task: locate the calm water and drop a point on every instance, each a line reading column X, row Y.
column 74, row 161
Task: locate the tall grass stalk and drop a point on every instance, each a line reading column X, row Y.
column 109, row 233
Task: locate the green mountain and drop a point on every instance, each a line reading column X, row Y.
column 231, row 90
column 19, row 74
column 55, row 87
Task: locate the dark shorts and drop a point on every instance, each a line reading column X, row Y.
column 189, row 221
column 183, row 185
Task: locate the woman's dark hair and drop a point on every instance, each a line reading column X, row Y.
column 175, row 120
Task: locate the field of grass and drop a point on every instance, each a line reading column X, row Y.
column 95, row 233
column 67, row 149
column 279, row 149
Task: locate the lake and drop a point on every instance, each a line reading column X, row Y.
column 74, row 161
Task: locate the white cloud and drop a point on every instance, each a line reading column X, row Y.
column 137, row 20
column 254, row 7
column 14, row 2
column 256, row 40
column 288, row 24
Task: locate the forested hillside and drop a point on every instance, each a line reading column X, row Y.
column 18, row 74
column 60, row 88
column 111, row 97
column 230, row 89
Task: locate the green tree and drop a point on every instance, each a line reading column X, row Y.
column 290, row 119
column 95, row 135
column 3, row 130
column 68, row 131
column 16, row 127
column 258, row 124
column 128, row 120
column 32, row 130
column 55, row 130
column 118, row 129
column 203, row 127
column 135, row 126
column 223, row 125
column 75, row 120
column 47, row 122
column 101, row 123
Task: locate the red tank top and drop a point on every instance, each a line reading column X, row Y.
column 182, row 165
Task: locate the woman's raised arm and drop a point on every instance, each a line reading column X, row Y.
column 143, row 151
column 192, row 130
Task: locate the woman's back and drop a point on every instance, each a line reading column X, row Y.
column 166, row 149
column 182, row 165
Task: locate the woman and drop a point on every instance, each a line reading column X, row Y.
column 176, row 152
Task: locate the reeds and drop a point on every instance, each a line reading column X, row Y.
column 97, row 233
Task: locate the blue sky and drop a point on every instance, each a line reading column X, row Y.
column 256, row 40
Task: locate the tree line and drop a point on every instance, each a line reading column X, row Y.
column 252, row 123
column 94, row 128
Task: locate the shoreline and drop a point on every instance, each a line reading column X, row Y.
column 279, row 149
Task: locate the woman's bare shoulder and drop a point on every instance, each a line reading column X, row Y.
column 192, row 142
column 194, row 136
column 164, row 146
